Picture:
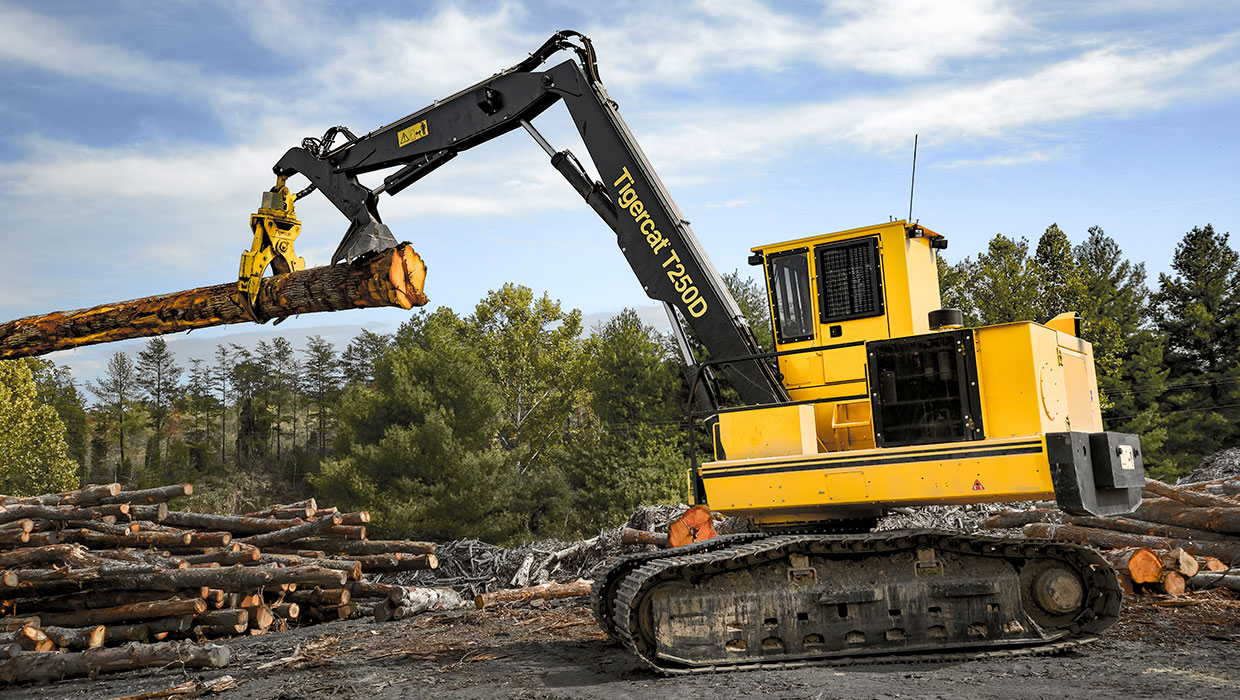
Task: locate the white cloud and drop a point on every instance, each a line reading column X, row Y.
column 1025, row 158
column 1103, row 83
column 885, row 37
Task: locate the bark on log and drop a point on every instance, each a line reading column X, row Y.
column 1187, row 496
column 152, row 513
column 1140, row 564
column 328, row 613
column 66, row 554
column 229, row 621
column 362, row 546
column 392, row 563
column 1109, row 539
column 347, row 532
column 1181, row 562
column 286, row 611
column 1229, row 578
column 309, row 505
column 54, row 666
column 226, row 558
column 23, row 525
column 126, row 613
column 55, row 513
column 76, row 638
column 407, row 602
column 81, row 497
column 1009, row 517
column 237, row 524
column 359, row 518
column 321, row 596
column 289, row 534
column 159, row 494
column 1228, row 484
column 114, row 634
column 393, row 277
column 630, row 536
column 90, row 538
column 10, row 624
column 1140, row 527
column 1165, row 510
column 543, row 591
column 106, row 599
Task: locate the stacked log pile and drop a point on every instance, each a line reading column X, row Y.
column 101, row 567
column 1180, row 537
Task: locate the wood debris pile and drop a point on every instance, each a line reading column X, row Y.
column 1180, row 537
column 101, row 567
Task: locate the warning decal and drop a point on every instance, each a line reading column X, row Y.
column 977, row 485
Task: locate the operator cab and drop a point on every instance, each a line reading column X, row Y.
column 832, row 294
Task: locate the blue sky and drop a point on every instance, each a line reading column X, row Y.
column 135, row 138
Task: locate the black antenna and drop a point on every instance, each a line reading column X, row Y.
column 913, row 182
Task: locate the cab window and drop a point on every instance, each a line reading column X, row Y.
column 790, row 296
column 850, row 281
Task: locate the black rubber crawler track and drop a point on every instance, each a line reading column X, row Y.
column 617, row 595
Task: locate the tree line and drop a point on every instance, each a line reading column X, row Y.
column 512, row 421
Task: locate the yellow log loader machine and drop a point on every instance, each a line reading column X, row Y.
column 873, row 398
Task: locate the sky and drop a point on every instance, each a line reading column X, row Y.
column 136, row 137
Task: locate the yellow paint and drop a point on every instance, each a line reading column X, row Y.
column 768, row 432
column 876, row 477
column 404, row 137
column 1032, row 379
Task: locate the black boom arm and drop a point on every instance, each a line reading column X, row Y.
column 654, row 237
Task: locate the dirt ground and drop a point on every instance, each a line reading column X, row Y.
column 1155, row 651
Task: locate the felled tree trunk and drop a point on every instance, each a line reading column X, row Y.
column 393, row 277
column 543, row 591
column 51, row 666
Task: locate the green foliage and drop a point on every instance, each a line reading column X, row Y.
column 158, row 377
column 1198, row 312
column 751, row 297
column 58, row 389
column 33, row 454
column 118, row 393
column 357, row 362
column 535, row 358
column 321, row 381
column 418, row 449
column 1004, row 286
column 1060, row 287
column 632, row 379
column 608, row 473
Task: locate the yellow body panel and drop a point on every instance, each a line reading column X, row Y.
column 792, row 489
column 768, row 432
column 1030, row 379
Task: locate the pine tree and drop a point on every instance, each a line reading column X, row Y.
column 1060, row 288
column 1198, row 311
column 357, row 362
column 118, row 391
column 158, row 376
column 1004, row 285
column 1127, row 350
column 322, row 383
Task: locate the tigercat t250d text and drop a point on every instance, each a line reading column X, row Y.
column 874, row 398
